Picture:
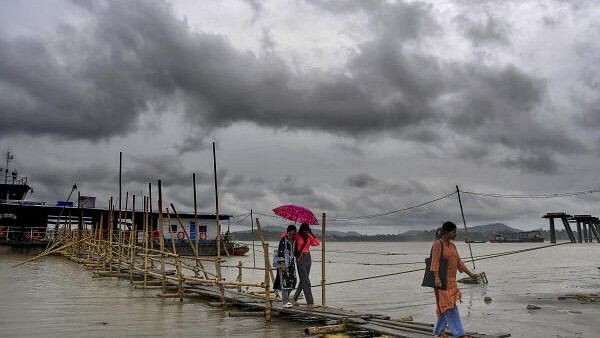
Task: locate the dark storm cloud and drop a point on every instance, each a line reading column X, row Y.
column 399, row 19
column 137, row 56
column 192, row 143
column 246, row 193
column 587, row 97
column 534, row 163
column 168, row 168
column 257, row 8
column 473, row 152
column 257, row 181
column 289, row 191
column 360, row 180
column 288, row 187
column 234, row 181
column 67, row 94
column 351, row 149
column 56, row 179
column 499, row 107
column 392, row 195
column 487, row 31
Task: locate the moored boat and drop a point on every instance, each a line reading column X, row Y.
column 535, row 236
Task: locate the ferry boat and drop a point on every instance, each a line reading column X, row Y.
column 518, row 237
column 31, row 224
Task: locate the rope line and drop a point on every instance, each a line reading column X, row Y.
column 242, row 220
column 423, row 269
column 391, row 212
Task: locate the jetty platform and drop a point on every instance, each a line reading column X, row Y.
column 148, row 264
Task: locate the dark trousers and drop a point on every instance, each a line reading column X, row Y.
column 304, row 263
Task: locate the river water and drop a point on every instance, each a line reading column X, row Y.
column 54, row 297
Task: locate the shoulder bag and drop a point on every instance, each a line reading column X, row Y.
column 429, row 277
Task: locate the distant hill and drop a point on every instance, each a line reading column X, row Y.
column 481, row 232
column 273, row 233
column 493, row 227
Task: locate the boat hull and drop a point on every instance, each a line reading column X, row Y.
column 532, row 240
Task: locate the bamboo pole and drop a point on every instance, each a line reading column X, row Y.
column 132, row 241
column 145, row 240
column 162, row 237
column 318, row 330
column 150, row 216
column 252, row 224
column 110, row 233
column 218, row 261
column 91, row 241
column 196, row 214
column 465, row 224
column 120, row 247
column 194, row 248
column 121, row 228
column 323, row 240
column 267, row 270
column 120, row 186
column 213, row 281
column 171, row 232
column 100, row 235
column 48, row 252
column 180, row 277
column 239, row 278
column 69, row 229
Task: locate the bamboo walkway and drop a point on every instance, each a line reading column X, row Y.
column 146, row 263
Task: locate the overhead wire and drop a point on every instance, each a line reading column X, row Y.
column 354, row 218
column 531, row 196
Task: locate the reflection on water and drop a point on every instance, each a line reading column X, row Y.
column 54, row 297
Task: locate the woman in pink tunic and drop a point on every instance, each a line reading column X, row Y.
column 304, row 240
column 446, row 299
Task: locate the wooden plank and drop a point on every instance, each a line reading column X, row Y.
column 392, row 332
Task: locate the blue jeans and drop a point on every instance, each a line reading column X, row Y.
column 285, row 295
column 452, row 319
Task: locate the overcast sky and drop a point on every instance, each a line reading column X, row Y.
column 347, row 107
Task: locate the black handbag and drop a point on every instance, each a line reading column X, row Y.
column 429, row 277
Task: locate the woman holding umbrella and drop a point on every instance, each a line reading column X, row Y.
column 304, row 240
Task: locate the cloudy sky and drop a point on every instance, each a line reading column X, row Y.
column 349, row 107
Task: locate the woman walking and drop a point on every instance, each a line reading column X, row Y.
column 446, row 308
column 286, row 269
column 304, row 240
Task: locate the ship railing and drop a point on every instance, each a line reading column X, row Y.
column 29, row 234
column 15, row 180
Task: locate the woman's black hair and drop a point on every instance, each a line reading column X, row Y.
column 448, row 227
column 291, row 227
column 304, row 226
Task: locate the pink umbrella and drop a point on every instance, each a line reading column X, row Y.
column 296, row 213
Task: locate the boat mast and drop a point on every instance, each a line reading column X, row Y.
column 9, row 157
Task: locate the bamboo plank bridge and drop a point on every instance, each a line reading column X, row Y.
column 147, row 263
